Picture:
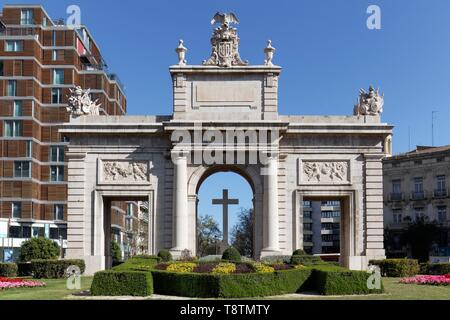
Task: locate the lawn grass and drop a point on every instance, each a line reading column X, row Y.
column 393, row 291
column 55, row 289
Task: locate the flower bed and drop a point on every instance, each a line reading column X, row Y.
column 222, row 267
column 8, row 283
column 443, row 280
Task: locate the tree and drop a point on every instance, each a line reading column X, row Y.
column 420, row 236
column 242, row 233
column 116, row 253
column 39, row 248
column 209, row 235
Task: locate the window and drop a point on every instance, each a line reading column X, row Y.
column 17, row 112
column 56, row 95
column 442, row 213
column 26, row 17
column 331, row 203
column 29, row 149
column 307, row 226
column 13, row 45
column 331, row 214
column 22, row 169
column 130, row 209
column 307, row 214
column 419, row 214
column 13, row 128
column 38, row 232
column 396, row 186
column 57, row 154
column 418, row 185
column 44, row 21
column 15, row 232
column 58, row 212
column 307, row 204
column 56, row 55
column 1, row 69
column 307, row 238
column 16, row 210
column 397, row 216
column 53, row 38
column 58, row 76
column 440, row 183
column 11, row 89
column 57, row 173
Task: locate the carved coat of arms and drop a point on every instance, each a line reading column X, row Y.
column 225, row 43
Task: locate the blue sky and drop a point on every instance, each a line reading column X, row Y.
column 326, row 51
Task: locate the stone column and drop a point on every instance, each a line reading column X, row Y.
column 272, row 243
column 180, row 209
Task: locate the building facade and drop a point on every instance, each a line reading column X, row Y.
column 40, row 61
column 416, row 187
column 321, row 227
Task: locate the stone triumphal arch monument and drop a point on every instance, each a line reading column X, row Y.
column 225, row 118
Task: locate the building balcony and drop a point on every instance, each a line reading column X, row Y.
column 421, row 195
column 396, row 196
column 26, row 31
column 440, row 193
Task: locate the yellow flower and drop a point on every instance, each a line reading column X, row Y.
column 224, row 268
column 299, row 266
column 182, row 267
column 263, row 268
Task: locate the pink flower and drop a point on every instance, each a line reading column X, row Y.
column 427, row 280
column 7, row 283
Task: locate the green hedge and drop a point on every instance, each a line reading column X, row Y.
column 331, row 282
column 138, row 263
column 435, row 268
column 231, row 285
column 8, row 269
column 54, row 269
column 397, row 267
column 122, row 283
column 24, row 269
column 306, row 260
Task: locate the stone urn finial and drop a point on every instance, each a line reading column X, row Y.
column 181, row 51
column 269, row 51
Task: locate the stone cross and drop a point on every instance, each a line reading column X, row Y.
column 225, row 202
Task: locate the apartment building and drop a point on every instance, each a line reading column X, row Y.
column 40, row 60
column 416, row 186
column 321, row 227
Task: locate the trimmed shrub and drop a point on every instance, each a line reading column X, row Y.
column 397, row 267
column 276, row 259
column 122, row 283
column 23, row 269
column 299, row 252
column 138, row 263
column 231, row 254
column 342, row 282
column 38, row 248
column 436, row 269
column 54, row 269
column 306, row 260
column 229, row 285
column 8, row 269
column 165, row 255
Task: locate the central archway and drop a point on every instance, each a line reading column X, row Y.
column 255, row 181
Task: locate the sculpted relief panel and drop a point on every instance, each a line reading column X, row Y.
column 125, row 171
column 325, row 172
